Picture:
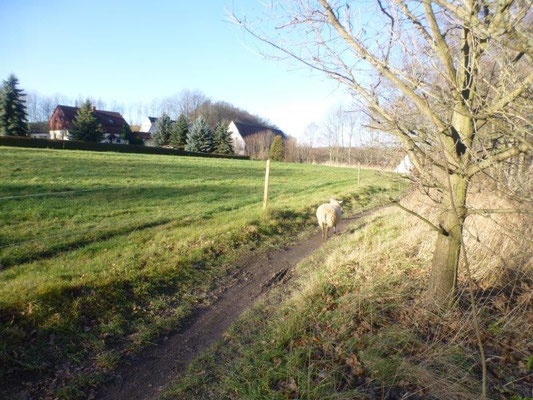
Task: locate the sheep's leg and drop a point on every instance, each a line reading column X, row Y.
column 325, row 230
column 334, row 229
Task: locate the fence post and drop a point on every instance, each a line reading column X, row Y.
column 265, row 194
column 359, row 174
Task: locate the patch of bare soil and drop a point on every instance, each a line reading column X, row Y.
column 146, row 375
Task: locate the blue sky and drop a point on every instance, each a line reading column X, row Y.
column 136, row 51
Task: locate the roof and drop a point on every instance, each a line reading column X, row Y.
column 143, row 135
column 38, row 127
column 153, row 120
column 111, row 121
column 248, row 129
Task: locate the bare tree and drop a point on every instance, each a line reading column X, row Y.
column 189, row 102
column 450, row 79
column 332, row 132
column 306, row 145
column 258, row 145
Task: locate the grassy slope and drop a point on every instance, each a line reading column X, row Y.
column 86, row 275
column 353, row 325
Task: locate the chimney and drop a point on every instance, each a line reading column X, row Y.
column 93, row 108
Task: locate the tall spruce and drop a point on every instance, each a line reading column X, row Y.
column 163, row 128
column 85, row 126
column 277, row 152
column 180, row 130
column 223, row 140
column 13, row 116
column 200, row 138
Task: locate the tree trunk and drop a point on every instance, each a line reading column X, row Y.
column 443, row 279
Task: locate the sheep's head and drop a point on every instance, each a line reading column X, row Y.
column 335, row 202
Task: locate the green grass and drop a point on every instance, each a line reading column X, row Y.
column 138, row 243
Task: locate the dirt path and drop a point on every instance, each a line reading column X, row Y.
column 148, row 374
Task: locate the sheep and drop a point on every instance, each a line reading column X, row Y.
column 329, row 215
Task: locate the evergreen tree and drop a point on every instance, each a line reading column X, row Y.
column 223, row 140
column 126, row 133
column 180, row 130
column 13, row 117
column 163, row 128
column 86, row 127
column 200, row 138
column 277, row 152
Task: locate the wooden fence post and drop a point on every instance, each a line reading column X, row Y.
column 359, row 174
column 265, row 194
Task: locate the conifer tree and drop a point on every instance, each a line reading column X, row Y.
column 180, row 130
column 277, row 152
column 200, row 138
column 86, row 127
column 13, row 117
column 223, row 140
column 163, row 130
column 126, row 134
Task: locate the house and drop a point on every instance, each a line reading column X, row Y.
column 241, row 133
column 147, row 129
column 38, row 130
column 148, row 125
column 405, row 166
column 146, row 137
column 40, row 135
column 63, row 117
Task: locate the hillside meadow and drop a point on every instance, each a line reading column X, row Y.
column 101, row 252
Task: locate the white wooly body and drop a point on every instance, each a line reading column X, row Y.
column 329, row 215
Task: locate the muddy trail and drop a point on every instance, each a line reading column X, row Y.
column 146, row 375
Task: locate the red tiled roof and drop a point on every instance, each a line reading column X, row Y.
column 64, row 115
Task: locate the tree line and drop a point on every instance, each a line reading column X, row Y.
column 198, row 137
column 332, row 142
column 191, row 103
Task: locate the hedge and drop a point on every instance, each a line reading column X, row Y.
column 18, row 141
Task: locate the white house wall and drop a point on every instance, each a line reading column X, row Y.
column 147, row 126
column 405, row 166
column 239, row 146
column 41, row 135
column 61, row 134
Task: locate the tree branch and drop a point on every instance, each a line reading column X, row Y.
column 496, row 158
column 427, row 221
column 379, row 66
column 440, row 46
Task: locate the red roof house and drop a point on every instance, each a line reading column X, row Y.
column 63, row 116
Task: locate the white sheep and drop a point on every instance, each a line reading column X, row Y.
column 329, row 215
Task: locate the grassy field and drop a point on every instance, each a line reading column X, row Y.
column 353, row 324
column 100, row 252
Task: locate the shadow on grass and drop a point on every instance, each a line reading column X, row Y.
column 57, row 244
column 55, row 250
